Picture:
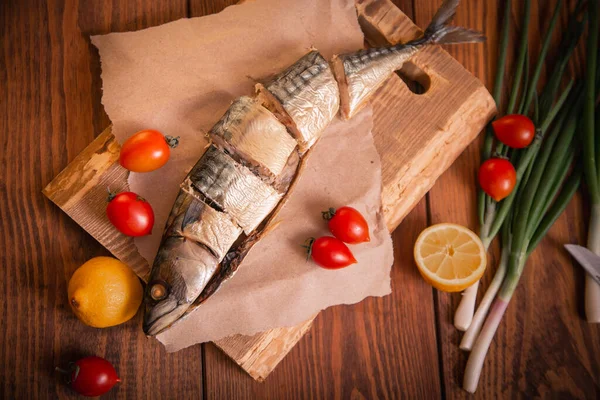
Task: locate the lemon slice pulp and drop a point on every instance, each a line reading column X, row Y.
column 450, row 257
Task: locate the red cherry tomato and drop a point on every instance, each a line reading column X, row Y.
column 331, row 253
column 146, row 151
column 130, row 214
column 92, row 376
column 348, row 225
column 515, row 130
column 497, row 177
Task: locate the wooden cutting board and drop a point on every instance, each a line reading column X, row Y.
column 418, row 136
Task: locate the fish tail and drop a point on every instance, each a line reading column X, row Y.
column 439, row 32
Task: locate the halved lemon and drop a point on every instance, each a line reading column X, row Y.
column 450, row 257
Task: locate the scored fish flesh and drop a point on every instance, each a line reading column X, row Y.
column 233, row 188
column 231, row 197
column 361, row 73
column 305, row 97
column 253, row 136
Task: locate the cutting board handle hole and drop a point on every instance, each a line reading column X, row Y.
column 415, row 79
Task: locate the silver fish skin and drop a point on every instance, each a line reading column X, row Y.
column 253, row 136
column 181, row 270
column 196, row 239
column 305, row 97
column 360, row 74
column 200, row 222
column 232, row 188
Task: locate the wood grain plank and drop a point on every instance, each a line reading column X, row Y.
column 543, row 347
column 50, row 111
column 80, row 190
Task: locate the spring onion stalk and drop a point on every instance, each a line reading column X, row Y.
column 525, row 162
column 473, row 331
column 564, row 168
column 463, row 315
column 501, row 148
column 491, row 227
column 479, row 351
column 512, row 101
column 523, row 176
column 486, row 151
column 574, row 31
column 485, row 206
column 541, row 180
column 527, row 82
column 552, row 205
column 491, row 215
column 528, row 98
column 592, row 161
column 557, row 208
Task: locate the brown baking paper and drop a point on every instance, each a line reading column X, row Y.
column 180, row 78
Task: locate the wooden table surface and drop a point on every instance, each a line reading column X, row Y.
column 402, row 345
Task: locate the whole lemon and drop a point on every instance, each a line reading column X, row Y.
column 104, row 292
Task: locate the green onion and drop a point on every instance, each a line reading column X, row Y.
column 519, row 243
column 540, row 63
column 526, row 83
column 543, row 187
column 591, row 160
column 574, row 31
column 525, row 164
column 472, row 332
column 491, row 216
column 559, row 205
column 528, row 156
column 565, row 163
column 512, row 102
column 551, row 169
column 486, row 151
column 542, row 178
column 486, row 207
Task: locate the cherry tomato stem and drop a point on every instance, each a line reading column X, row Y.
column 172, row 141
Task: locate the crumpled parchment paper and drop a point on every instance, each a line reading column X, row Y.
column 180, row 78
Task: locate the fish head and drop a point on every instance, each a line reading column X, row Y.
column 180, row 272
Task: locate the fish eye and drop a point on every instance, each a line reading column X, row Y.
column 159, row 289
